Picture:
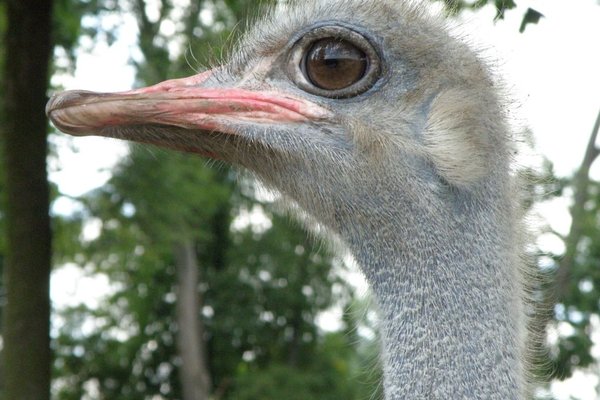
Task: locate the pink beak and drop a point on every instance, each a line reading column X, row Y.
column 181, row 103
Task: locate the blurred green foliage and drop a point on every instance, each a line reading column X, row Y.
column 261, row 288
column 531, row 16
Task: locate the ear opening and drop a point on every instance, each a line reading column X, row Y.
column 457, row 136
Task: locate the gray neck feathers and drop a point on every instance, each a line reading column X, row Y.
column 448, row 289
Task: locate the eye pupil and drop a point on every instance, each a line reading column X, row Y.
column 334, row 64
column 331, row 63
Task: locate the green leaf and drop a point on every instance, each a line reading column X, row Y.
column 531, row 17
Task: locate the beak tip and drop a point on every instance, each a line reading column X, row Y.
column 58, row 104
column 51, row 105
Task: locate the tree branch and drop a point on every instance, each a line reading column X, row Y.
column 581, row 195
column 544, row 310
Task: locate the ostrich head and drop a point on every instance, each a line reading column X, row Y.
column 387, row 131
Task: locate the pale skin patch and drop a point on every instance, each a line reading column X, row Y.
column 454, row 138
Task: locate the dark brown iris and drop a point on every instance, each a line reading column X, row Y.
column 334, row 64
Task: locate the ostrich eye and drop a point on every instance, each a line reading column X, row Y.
column 333, row 64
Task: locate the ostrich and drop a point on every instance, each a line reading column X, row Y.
column 388, row 134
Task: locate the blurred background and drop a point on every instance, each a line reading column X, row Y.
column 143, row 244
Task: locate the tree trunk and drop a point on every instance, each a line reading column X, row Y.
column 26, row 319
column 194, row 372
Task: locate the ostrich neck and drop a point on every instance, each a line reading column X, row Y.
column 450, row 303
